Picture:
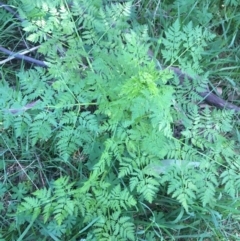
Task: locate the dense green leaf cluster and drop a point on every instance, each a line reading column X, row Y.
column 103, row 110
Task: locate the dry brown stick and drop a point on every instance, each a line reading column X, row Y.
column 23, row 57
column 22, row 53
column 207, row 95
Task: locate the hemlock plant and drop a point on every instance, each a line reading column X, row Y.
column 101, row 130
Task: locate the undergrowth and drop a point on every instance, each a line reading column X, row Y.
column 104, row 143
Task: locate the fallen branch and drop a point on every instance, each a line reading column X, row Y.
column 23, row 57
column 207, row 95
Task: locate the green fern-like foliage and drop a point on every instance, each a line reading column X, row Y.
column 185, row 45
column 103, row 97
column 59, row 207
